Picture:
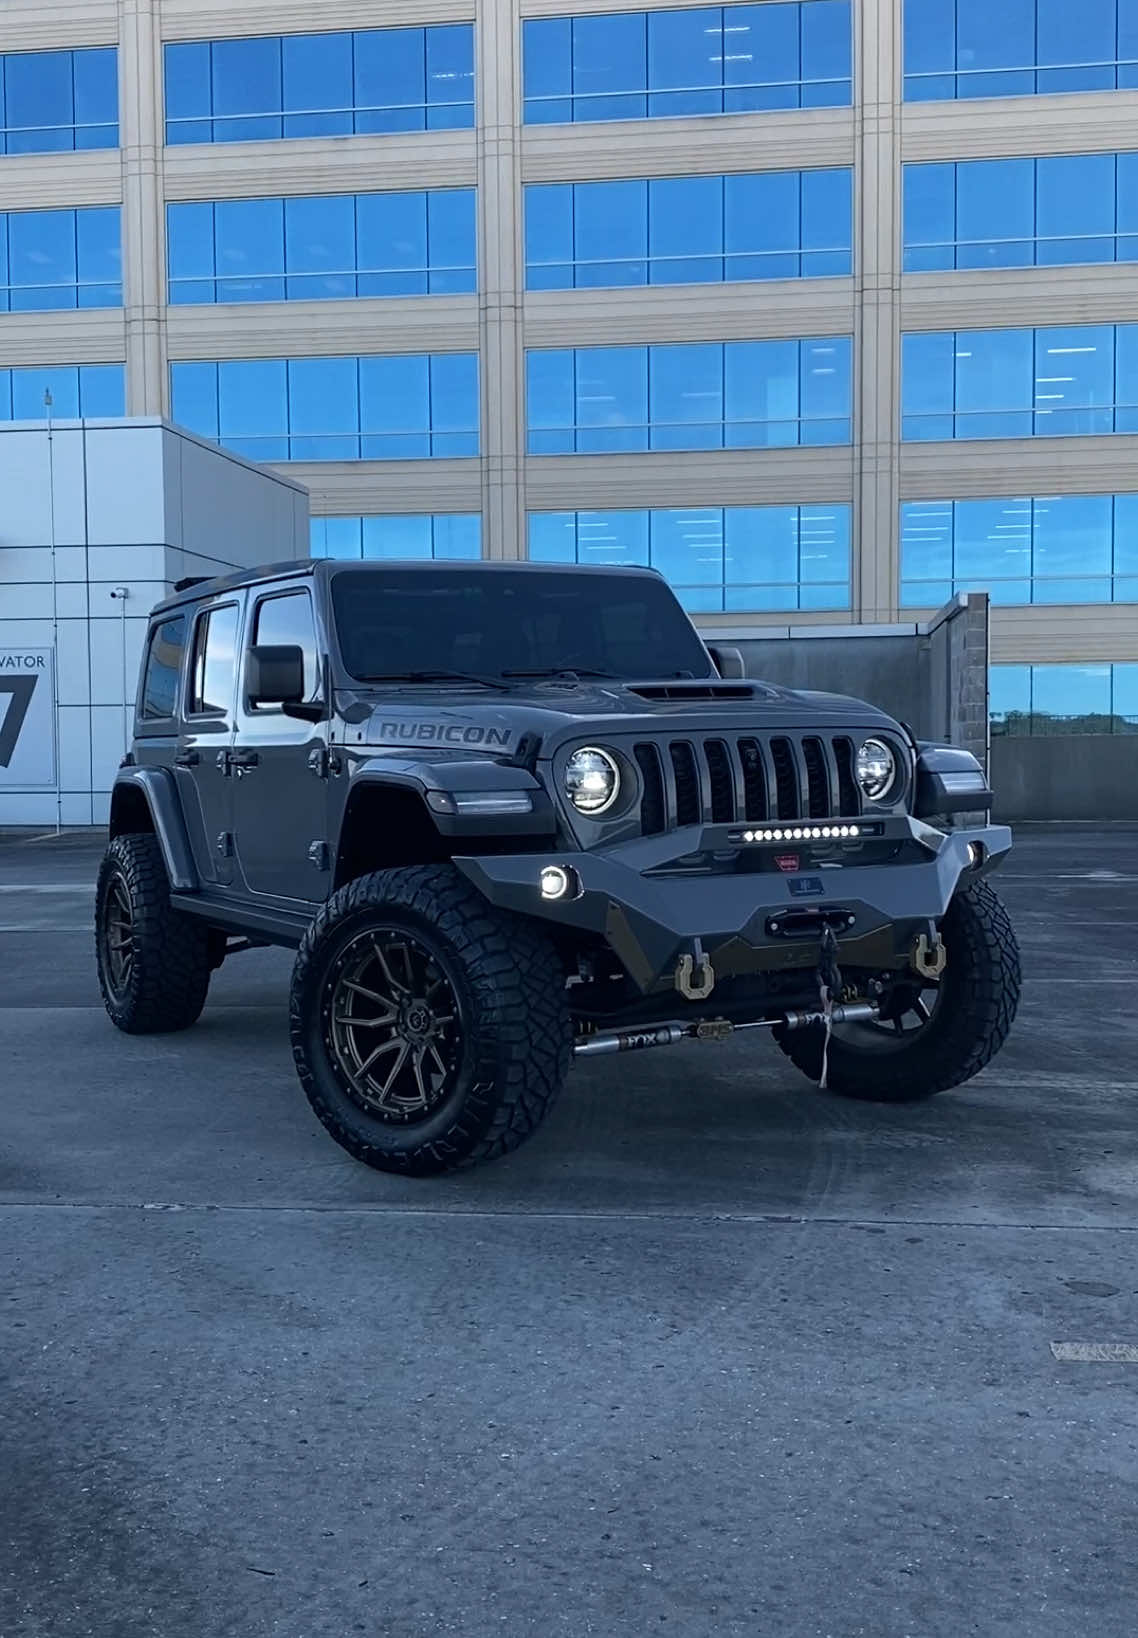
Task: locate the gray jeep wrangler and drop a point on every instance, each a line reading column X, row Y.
column 513, row 814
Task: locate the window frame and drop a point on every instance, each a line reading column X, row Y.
column 204, row 615
column 644, row 91
column 360, row 117
column 73, row 126
column 154, row 722
column 1041, row 589
column 567, row 218
column 967, row 83
column 1021, row 249
column 277, row 594
column 368, row 441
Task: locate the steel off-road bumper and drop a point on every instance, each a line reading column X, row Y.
column 651, row 910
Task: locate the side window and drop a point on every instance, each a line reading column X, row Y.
column 163, row 664
column 214, row 663
column 287, row 620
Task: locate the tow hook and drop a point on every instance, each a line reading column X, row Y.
column 695, row 976
column 929, row 957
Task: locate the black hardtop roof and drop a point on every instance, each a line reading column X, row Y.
column 324, row 567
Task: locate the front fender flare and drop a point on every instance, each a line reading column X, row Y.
column 160, row 794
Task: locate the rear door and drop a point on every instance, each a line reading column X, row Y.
column 280, row 793
column 206, row 735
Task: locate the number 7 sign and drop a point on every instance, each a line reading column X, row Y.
column 27, row 732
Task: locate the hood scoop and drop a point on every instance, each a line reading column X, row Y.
column 697, row 689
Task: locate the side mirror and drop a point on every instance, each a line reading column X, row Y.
column 274, row 674
column 727, row 661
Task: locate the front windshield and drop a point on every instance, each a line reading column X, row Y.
column 505, row 623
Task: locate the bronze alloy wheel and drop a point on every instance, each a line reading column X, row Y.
column 392, row 1025
column 907, row 1011
column 118, row 935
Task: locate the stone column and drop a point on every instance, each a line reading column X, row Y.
column 143, row 225
column 877, row 236
column 500, row 277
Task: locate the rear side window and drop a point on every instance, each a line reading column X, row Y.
column 287, row 620
column 215, row 663
column 163, row 664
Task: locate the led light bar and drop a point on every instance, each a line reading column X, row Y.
column 808, row 833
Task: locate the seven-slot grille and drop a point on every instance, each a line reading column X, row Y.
column 721, row 781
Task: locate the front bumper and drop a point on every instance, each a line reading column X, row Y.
column 650, row 910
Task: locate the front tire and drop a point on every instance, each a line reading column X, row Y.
column 429, row 1030
column 959, row 1027
column 154, row 964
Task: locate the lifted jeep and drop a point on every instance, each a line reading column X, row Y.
column 513, row 814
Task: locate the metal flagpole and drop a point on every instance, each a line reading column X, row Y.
column 47, row 400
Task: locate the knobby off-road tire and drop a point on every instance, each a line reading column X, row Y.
column 429, row 1029
column 969, row 1023
column 154, row 964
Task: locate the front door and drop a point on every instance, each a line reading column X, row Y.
column 205, row 733
column 279, row 784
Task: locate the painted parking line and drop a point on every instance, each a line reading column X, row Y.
column 45, row 887
column 1105, row 1353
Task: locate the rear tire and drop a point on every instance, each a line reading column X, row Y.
column 429, row 1029
column 154, row 964
column 974, row 1011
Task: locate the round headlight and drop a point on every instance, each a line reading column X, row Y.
column 876, row 769
column 592, row 780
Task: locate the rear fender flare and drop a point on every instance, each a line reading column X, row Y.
column 157, row 788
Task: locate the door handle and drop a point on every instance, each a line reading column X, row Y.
column 187, row 759
column 244, row 759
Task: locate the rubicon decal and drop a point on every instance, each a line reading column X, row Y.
column 443, row 733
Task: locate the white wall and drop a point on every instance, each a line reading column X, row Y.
column 134, row 504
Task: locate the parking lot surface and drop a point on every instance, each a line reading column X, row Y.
column 715, row 1354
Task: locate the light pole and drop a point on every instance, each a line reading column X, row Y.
column 47, row 403
column 120, row 594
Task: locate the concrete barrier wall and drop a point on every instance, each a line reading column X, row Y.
column 933, row 676
column 1068, row 776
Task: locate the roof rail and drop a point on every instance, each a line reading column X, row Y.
column 191, row 580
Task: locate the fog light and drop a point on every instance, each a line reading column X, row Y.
column 556, row 883
column 976, row 854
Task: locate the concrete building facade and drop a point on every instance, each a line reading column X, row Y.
column 98, row 519
column 835, row 141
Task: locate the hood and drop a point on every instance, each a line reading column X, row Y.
column 458, row 719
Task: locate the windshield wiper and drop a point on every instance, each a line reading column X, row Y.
column 570, row 673
column 434, row 676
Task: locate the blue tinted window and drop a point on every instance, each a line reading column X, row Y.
column 1043, row 549
column 688, row 230
column 75, row 390
column 717, row 559
column 713, row 395
column 408, row 407
column 326, row 247
column 983, row 213
column 441, row 535
column 702, row 60
column 307, row 85
column 316, row 73
column 1063, row 699
column 1048, row 383
column 57, row 101
column 971, row 48
column 60, row 259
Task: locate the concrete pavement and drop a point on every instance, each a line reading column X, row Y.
column 714, row 1354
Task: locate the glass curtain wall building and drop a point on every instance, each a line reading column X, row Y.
column 827, row 310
